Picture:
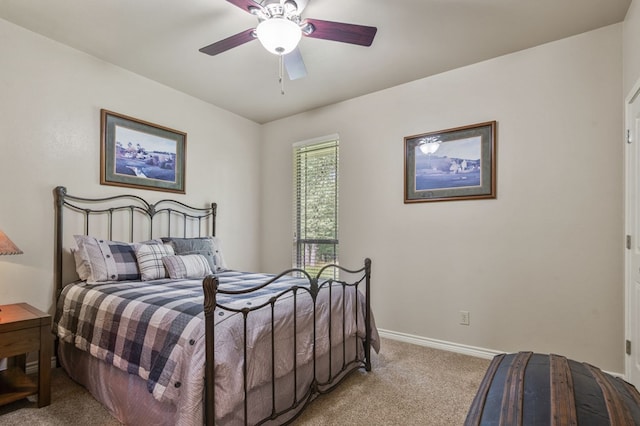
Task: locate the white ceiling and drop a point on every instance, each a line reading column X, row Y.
column 159, row 39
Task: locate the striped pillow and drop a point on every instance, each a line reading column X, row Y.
column 149, row 258
column 188, row 266
column 209, row 247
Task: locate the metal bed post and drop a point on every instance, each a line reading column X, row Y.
column 59, row 194
column 214, row 212
column 367, row 317
column 210, row 288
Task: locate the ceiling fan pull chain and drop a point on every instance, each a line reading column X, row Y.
column 281, row 73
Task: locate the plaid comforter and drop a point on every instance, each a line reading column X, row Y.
column 151, row 328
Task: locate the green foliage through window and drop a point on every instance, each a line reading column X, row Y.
column 316, row 206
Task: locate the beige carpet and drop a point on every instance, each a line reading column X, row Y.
column 409, row 385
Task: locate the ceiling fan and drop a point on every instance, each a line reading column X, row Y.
column 280, row 28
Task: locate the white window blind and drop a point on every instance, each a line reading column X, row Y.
column 316, row 205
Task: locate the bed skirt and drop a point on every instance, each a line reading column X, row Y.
column 124, row 395
column 127, row 398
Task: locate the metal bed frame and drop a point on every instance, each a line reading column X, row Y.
column 196, row 222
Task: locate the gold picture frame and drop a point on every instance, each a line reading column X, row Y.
column 452, row 164
column 142, row 155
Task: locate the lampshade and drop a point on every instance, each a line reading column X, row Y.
column 279, row 35
column 7, row 246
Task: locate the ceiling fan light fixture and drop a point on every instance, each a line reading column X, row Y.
column 429, row 145
column 279, row 35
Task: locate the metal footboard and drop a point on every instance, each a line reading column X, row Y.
column 360, row 286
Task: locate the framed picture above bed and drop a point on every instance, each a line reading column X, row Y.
column 453, row 164
column 138, row 154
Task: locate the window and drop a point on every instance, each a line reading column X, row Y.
column 316, row 204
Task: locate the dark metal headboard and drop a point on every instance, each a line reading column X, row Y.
column 127, row 218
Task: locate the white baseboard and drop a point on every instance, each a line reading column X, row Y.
column 440, row 344
column 453, row 347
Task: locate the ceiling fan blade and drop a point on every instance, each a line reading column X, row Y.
column 229, row 42
column 247, row 5
column 338, row 31
column 295, row 65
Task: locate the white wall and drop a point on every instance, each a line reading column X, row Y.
column 541, row 267
column 631, row 46
column 50, row 101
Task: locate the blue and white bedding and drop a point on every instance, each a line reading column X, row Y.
column 155, row 329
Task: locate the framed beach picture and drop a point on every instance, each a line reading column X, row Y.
column 138, row 154
column 453, row 164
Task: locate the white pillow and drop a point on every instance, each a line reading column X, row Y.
column 187, row 266
column 83, row 268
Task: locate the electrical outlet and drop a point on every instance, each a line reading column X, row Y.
column 464, row 317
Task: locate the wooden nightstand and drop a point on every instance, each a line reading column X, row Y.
column 24, row 329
